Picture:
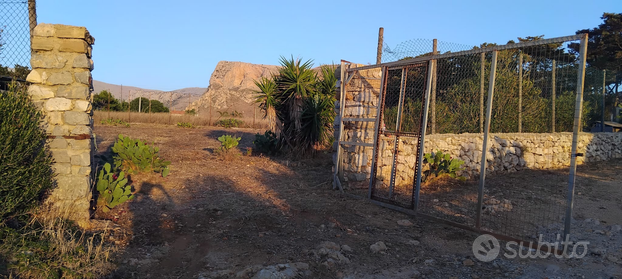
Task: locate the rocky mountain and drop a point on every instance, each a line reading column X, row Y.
column 232, row 87
column 176, row 100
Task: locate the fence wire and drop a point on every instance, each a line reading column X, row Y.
column 417, row 48
column 15, row 24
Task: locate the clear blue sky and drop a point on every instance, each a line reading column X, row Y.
column 169, row 45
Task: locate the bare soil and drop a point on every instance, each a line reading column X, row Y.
column 216, row 216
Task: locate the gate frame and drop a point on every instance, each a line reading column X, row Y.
column 431, row 69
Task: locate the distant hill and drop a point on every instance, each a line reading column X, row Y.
column 179, row 99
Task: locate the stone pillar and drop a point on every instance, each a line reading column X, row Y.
column 61, row 87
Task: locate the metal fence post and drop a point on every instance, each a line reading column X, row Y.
column 482, row 176
column 520, row 92
column 336, row 182
column 380, row 42
column 398, row 124
column 424, row 122
column 433, row 100
column 553, row 98
column 481, row 91
column 575, row 134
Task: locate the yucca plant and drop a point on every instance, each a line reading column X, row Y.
column 296, row 81
column 317, row 117
column 268, row 100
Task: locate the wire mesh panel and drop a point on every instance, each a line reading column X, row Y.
column 417, row 48
column 14, row 38
column 399, row 138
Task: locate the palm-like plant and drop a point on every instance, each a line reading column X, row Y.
column 317, row 119
column 268, row 100
column 296, row 81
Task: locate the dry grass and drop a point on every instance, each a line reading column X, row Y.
column 49, row 246
column 172, row 119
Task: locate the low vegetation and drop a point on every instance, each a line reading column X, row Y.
column 134, row 156
column 230, row 123
column 185, row 125
column 113, row 189
column 114, row 122
column 439, row 164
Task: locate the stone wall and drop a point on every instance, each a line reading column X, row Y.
column 61, row 87
column 507, row 152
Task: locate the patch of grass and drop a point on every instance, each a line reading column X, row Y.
column 114, row 122
column 185, row 125
column 230, row 123
column 51, row 247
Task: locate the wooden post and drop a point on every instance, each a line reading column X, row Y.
column 150, row 107
column 254, row 115
column 32, row 15
column 553, row 99
column 129, row 106
column 380, row 42
column 433, row 92
column 602, row 115
column 520, row 93
column 109, row 103
column 170, row 109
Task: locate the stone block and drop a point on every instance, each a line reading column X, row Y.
column 58, row 130
column 83, row 159
column 80, row 144
column 58, row 143
column 39, row 92
column 81, row 130
column 44, row 30
column 73, row 91
column 59, row 78
column 55, row 118
column 73, row 45
column 83, row 77
column 42, row 43
column 56, row 104
column 81, row 105
column 47, row 61
column 73, row 185
column 72, row 32
column 62, row 168
column 81, row 61
column 76, row 118
column 60, row 156
column 34, row 77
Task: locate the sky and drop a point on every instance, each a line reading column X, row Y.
column 168, row 45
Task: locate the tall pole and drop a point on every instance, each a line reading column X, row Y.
column 602, row 115
column 32, row 15
column 481, row 91
column 108, row 103
column 553, row 99
column 520, row 93
column 380, row 42
column 150, row 107
column 482, row 172
column 433, row 92
column 140, row 104
column 170, row 108
column 575, row 134
column 254, row 115
column 129, row 107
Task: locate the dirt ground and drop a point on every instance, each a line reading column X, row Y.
column 262, row 217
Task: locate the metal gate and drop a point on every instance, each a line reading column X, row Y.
column 385, row 141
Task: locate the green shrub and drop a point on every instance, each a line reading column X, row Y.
column 185, row 125
column 25, row 162
column 114, row 122
column 113, row 189
column 230, row 123
column 134, row 156
column 228, row 142
column 191, row 112
column 440, row 163
column 267, row 143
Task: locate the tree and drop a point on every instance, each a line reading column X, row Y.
column 268, row 100
column 156, row 106
column 101, row 100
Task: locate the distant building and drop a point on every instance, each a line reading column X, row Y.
column 177, row 112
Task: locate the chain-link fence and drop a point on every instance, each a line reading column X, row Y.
column 419, row 47
column 494, row 110
column 17, row 18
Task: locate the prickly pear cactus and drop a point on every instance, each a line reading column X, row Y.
column 113, row 189
column 135, row 156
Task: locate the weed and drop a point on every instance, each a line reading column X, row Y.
column 114, row 122
column 228, row 142
column 185, row 125
column 230, row 123
column 267, row 143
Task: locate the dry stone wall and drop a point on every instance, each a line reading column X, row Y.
column 61, row 86
column 507, row 152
